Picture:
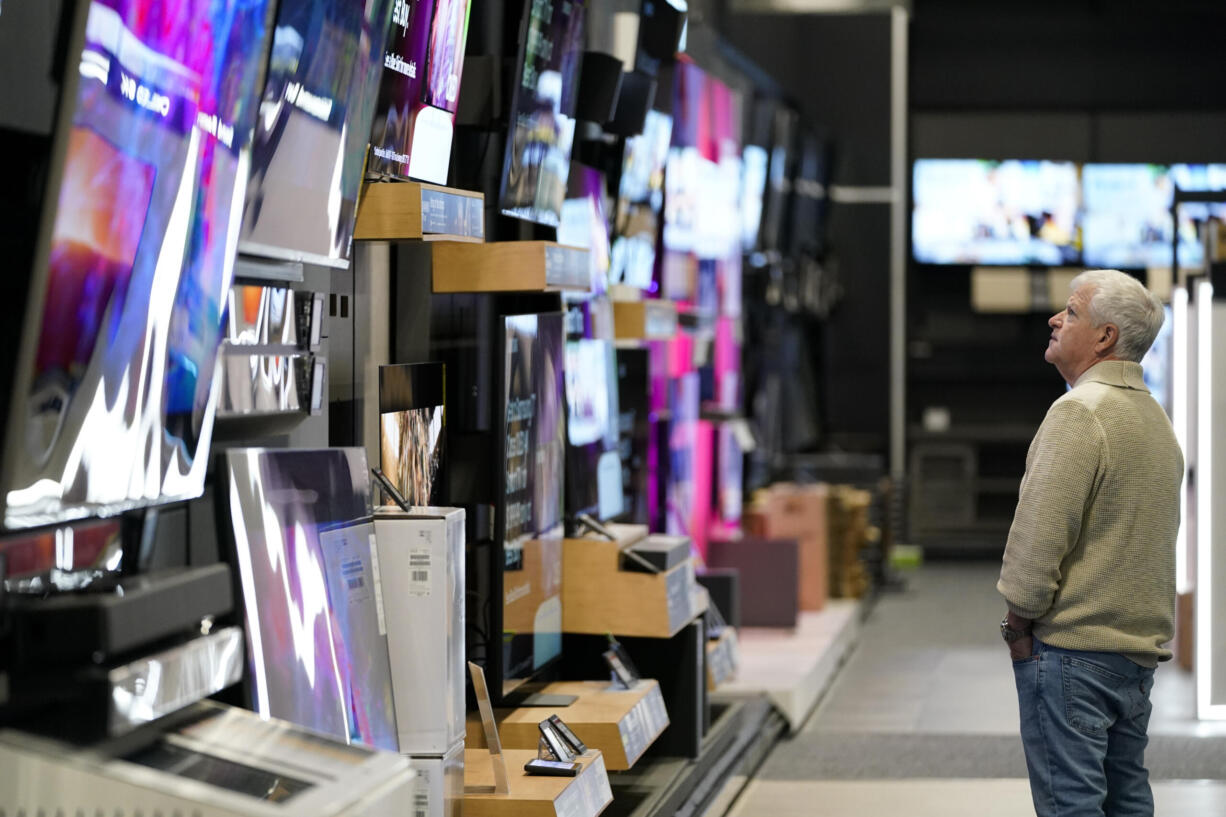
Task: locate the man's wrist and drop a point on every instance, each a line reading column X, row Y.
column 1018, row 623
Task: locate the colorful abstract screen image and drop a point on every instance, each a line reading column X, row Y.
column 542, row 125
column 313, row 129
column 316, row 641
column 119, row 411
column 640, row 202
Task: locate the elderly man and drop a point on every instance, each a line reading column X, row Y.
column 1089, row 568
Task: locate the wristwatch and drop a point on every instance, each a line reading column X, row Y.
column 1009, row 634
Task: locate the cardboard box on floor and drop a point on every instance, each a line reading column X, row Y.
column 791, row 511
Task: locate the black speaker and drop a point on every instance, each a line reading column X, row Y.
column 660, row 28
column 724, row 586
column 600, row 84
column 638, row 94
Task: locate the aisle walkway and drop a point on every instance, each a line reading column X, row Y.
column 923, row 721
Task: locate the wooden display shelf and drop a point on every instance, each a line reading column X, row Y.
column 648, row 319
column 599, row 597
column 621, row 723
column 585, row 795
column 509, row 266
column 400, row 211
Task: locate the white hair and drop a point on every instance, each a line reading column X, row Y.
column 1120, row 299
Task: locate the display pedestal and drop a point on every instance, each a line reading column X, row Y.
column 407, row 211
column 585, row 795
column 648, row 319
column 621, row 723
column 599, row 596
column 508, row 266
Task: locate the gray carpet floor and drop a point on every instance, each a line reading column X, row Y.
column 928, row 693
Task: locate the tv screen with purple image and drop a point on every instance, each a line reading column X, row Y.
column 302, row 543
column 534, row 447
column 584, row 222
column 542, row 126
column 313, row 129
column 415, row 113
column 640, row 202
column 118, row 411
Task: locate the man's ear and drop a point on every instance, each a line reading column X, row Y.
column 1108, row 337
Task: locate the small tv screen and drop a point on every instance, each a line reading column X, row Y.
column 754, row 162
column 415, row 112
column 316, row 643
column 593, row 464
column 534, row 449
column 1159, row 361
column 584, row 222
column 970, row 211
column 314, row 126
column 683, row 439
column 780, row 172
column 118, row 411
column 640, row 203
column 634, row 428
column 411, row 430
column 542, row 125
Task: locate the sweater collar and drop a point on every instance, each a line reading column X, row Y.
column 1120, row 373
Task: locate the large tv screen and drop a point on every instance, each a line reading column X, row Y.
column 316, row 642
column 585, row 224
column 411, row 430
column 640, row 202
column 970, row 211
column 116, row 402
column 542, row 125
column 415, row 112
column 534, row 449
column 314, row 126
column 1127, row 220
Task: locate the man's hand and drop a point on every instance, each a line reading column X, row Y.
column 1023, row 647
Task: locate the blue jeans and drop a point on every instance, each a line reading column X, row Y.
column 1084, row 717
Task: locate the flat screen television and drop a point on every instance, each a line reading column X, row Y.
column 314, row 125
column 1159, row 361
column 809, row 195
column 634, row 427
column 415, row 113
column 541, row 124
column 640, row 203
column 116, row 387
column 412, row 429
column 316, row 644
column 526, row 581
column 754, row 163
column 1127, row 220
column 584, row 222
column 971, row 211
column 680, row 499
column 593, row 464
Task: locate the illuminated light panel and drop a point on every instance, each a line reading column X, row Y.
column 1205, row 708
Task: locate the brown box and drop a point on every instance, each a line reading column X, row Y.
column 789, row 511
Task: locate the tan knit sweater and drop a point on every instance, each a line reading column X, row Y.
column 1091, row 553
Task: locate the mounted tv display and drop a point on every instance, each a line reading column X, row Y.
column 419, row 91
column 316, row 643
column 593, row 464
column 117, row 387
column 584, row 223
column 781, row 171
column 534, row 449
column 640, row 203
column 314, row 125
column 411, row 430
column 541, row 124
column 970, row 211
column 1127, row 219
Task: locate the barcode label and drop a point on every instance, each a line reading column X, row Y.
column 419, row 572
column 421, row 804
column 356, row 583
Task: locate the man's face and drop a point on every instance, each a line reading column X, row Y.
column 1071, row 348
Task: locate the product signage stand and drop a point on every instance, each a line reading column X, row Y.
column 501, row 784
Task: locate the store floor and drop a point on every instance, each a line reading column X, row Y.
column 922, row 720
